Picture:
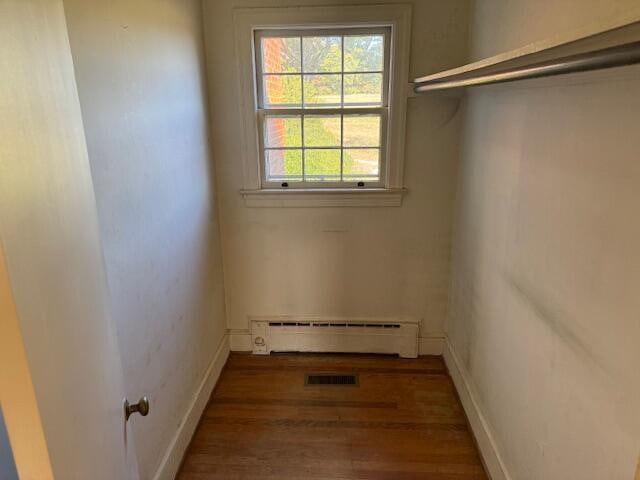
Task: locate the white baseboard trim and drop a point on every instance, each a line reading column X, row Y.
column 486, row 443
column 431, row 345
column 170, row 463
column 240, row 340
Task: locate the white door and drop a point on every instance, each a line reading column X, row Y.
column 49, row 232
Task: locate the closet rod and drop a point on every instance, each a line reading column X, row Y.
column 621, row 55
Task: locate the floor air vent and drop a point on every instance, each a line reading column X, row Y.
column 330, row 379
column 335, row 335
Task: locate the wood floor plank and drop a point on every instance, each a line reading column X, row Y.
column 403, row 421
column 325, row 411
column 285, row 402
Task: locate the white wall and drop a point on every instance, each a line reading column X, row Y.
column 140, row 74
column 343, row 261
column 546, row 272
column 501, row 25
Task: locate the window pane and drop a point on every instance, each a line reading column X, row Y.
column 361, row 131
column 362, row 164
column 282, row 90
column 280, row 55
column 322, row 90
column 363, row 88
column 364, row 53
column 283, row 131
column 322, row 130
column 322, row 54
column 283, row 165
column 322, row 165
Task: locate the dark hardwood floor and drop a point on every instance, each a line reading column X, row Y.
column 403, row 421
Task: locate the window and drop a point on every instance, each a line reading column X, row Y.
column 323, row 94
column 322, row 104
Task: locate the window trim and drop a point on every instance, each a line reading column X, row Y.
column 249, row 20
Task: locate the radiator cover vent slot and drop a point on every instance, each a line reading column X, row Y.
column 331, row 379
column 334, row 324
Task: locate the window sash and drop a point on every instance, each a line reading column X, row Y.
column 321, row 32
column 343, row 112
column 332, row 109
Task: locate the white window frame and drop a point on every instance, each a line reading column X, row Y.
column 342, row 111
column 247, row 21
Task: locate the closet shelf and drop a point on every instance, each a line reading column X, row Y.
column 604, row 45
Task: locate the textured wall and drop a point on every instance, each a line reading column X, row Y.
column 544, row 310
column 140, row 74
column 344, row 261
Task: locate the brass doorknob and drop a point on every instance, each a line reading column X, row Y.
column 142, row 407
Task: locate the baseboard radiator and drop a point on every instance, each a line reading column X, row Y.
column 335, row 336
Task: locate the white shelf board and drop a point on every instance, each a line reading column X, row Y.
column 630, row 20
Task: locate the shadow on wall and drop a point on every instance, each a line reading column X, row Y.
column 552, row 315
column 7, row 464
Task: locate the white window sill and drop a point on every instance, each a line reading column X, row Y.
column 337, row 197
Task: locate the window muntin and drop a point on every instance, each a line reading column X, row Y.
column 322, row 106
